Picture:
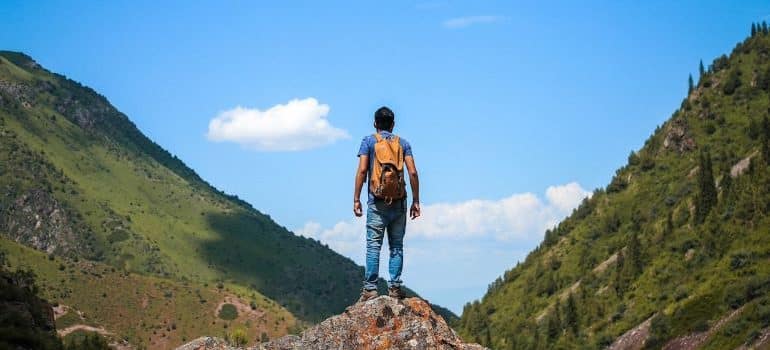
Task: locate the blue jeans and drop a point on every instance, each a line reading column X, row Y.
column 382, row 218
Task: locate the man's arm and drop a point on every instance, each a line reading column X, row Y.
column 363, row 167
column 414, row 182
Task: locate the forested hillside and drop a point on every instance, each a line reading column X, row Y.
column 678, row 244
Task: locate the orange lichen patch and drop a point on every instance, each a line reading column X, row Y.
column 419, row 307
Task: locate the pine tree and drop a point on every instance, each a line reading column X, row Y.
column 765, row 132
column 764, row 27
column 753, row 29
column 633, row 256
column 554, row 323
column 620, row 285
column 571, row 315
column 706, row 197
column 701, row 70
column 690, row 84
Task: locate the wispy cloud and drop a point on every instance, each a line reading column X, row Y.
column 294, row 126
column 463, row 22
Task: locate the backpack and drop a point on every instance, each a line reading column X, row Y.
column 387, row 180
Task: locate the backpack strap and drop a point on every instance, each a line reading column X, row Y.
column 377, row 137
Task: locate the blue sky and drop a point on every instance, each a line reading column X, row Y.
column 514, row 109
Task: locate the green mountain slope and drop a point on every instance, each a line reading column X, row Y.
column 79, row 180
column 145, row 311
column 679, row 238
column 108, row 193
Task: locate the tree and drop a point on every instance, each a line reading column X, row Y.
column 633, row 256
column 765, row 132
column 690, row 84
column 732, row 83
column 764, row 27
column 753, row 29
column 620, row 284
column 554, row 323
column 701, row 70
column 571, row 315
column 706, row 197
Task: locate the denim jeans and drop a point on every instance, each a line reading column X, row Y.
column 382, row 218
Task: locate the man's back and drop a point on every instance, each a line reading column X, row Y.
column 367, row 148
column 385, row 215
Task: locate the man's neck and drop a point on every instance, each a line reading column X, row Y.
column 388, row 131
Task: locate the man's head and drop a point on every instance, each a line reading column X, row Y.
column 384, row 119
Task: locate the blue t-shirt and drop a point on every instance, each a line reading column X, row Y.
column 367, row 148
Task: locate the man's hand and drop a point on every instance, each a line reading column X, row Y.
column 357, row 209
column 414, row 211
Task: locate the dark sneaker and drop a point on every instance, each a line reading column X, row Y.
column 396, row 292
column 367, row 294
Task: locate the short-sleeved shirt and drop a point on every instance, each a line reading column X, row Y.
column 367, row 148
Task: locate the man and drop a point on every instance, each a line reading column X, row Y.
column 383, row 155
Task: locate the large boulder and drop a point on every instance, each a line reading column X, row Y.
column 380, row 323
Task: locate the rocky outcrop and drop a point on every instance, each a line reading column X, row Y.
column 634, row 339
column 678, row 137
column 380, row 323
column 38, row 220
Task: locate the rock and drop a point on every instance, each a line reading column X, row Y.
column 19, row 92
column 739, row 168
column 38, row 220
column 678, row 137
column 380, row 323
column 634, row 339
column 206, row 343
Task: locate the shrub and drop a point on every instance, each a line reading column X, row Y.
column 228, row 312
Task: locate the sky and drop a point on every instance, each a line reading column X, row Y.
column 516, row 110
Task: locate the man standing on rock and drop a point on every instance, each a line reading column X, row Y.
column 381, row 159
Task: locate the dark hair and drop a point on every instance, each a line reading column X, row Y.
column 384, row 118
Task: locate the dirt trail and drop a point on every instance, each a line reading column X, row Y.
column 82, row 327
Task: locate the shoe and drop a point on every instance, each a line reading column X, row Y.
column 367, row 294
column 396, row 292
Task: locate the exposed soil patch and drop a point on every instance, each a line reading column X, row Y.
column 82, row 327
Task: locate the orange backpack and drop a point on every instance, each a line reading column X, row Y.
column 387, row 181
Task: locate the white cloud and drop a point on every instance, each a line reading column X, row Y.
column 566, row 197
column 523, row 216
column 294, row 126
column 462, row 22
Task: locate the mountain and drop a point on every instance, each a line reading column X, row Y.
column 380, row 323
column 122, row 222
column 674, row 253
